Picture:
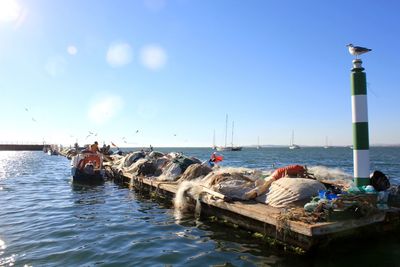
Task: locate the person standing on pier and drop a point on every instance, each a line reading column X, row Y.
column 214, row 159
column 94, row 147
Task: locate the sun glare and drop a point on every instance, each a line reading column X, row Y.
column 9, row 10
column 105, row 108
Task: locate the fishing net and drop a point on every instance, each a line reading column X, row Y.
column 194, row 171
column 286, row 191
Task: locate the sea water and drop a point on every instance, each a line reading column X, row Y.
column 47, row 221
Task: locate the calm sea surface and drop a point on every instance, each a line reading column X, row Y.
column 47, row 221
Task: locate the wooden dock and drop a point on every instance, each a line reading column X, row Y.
column 264, row 219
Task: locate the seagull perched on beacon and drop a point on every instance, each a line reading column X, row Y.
column 357, row 50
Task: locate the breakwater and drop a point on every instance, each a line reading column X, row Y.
column 21, row 147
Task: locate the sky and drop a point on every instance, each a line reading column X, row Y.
column 166, row 72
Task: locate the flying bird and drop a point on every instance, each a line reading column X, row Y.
column 174, row 134
column 357, row 50
column 26, row 109
column 33, row 119
column 137, row 131
column 90, row 132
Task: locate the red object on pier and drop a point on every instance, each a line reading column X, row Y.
column 297, row 170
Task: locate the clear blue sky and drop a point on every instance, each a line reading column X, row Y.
column 173, row 69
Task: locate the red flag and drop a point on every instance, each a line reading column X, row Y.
column 218, row 158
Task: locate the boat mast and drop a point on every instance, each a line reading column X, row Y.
column 214, row 139
column 233, row 123
column 226, row 129
column 292, row 140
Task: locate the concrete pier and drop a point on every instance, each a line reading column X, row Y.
column 21, row 147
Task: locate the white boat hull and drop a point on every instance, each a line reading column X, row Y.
column 229, row 148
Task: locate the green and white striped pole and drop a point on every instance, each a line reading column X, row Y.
column 360, row 124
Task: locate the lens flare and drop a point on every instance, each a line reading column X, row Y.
column 119, row 54
column 72, row 50
column 153, row 57
column 105, row 108
column 10, row 10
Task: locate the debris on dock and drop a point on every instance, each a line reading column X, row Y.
column 300, row 211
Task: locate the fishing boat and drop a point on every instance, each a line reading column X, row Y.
column 87, row 168
column 232, row 147
column 292, row 144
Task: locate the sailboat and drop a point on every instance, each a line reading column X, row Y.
column 292, row 144
column 232, row 147
column 214, row 146
column 326, row 142
column 258, row 142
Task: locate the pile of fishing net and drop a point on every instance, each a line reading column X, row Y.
column 176, row 165
column 230, row 183
column 233, row 182
column 69, row 152
column 286, row 191
column 160, row 166
column 299, row 214
column 331, row 175
column 195, row 171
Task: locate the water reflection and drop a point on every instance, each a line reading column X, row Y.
column 90, row 200
column 45, row 220
column 85, row 189
column 12, row 162
column 6, row 261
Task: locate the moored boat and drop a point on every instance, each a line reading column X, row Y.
column 236, row 148
column 52, row 152
column 231, row 147
column 87, row 167
column 292, row 144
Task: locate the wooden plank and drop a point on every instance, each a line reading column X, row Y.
column 334, row 227
column 213, row 193
column 261, row 212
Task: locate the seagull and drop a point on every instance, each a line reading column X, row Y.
column 357, row 50
column 26, row 109
column 137, row 131
column 33, row 119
